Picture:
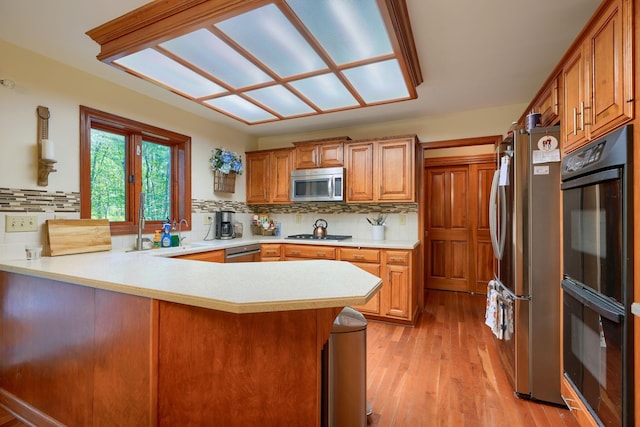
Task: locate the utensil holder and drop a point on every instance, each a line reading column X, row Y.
column 377, row 232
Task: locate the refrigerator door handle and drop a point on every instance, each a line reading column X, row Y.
column 497, row 240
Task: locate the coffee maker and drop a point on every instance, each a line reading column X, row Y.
column 224, row 224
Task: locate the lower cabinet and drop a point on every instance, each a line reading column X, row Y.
column 397, row 300
column 210, row 256
column 270, row 252
column 575, row 405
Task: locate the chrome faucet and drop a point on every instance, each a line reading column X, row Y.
column 180, row 238
column 140, row 222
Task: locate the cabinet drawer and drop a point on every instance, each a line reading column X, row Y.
column 269, row 250
column 211, row 256
column 397, row 257
column 360, row 255
column 309, row 251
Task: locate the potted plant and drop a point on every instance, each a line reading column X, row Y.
column 225, row 165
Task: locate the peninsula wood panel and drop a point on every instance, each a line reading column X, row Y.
column 75, row 355
column 211, row 372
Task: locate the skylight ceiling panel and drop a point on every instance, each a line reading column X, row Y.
column 269, row 36
column 156, row 66
column 280, row 100
column 326, row 91
column 348, row 30
column 378, row 82
column 240, row 108
column 210, row 54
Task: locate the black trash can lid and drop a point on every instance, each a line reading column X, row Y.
column 349, row 320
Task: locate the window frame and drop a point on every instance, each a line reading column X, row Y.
column 136, row 132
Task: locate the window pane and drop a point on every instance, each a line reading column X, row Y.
column 108, row 175
column 156, row 180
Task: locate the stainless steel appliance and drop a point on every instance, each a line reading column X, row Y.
column 597, row 280
column 245, row 253
column 317, row 185
column 314, row 237
column 525, row 230
column 223, row 221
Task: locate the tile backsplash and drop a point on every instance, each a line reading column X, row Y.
column 342, row 218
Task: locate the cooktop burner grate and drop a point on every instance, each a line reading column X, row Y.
column 313, row 237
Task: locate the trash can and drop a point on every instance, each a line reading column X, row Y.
column 347, row 370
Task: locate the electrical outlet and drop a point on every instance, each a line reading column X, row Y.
column 298, row 218
column 20, row 223
column 207, row 219
column 403, row 220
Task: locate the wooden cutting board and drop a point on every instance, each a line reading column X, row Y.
column 76, row 236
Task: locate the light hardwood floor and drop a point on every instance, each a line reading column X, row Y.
column 446, row 372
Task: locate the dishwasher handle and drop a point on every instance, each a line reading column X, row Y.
column 239, row 254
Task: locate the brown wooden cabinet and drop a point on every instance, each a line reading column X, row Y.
column 381, row 170
column 270, row 251
column 397, row 300
column 210, row 256
column 291, row 252
column 548, row 103
column 269, row 176
column 575, row 405
column 598, row 78
column 320, row 153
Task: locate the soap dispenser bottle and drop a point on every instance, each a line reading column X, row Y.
column 165, row 242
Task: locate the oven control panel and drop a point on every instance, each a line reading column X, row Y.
column 584, row 158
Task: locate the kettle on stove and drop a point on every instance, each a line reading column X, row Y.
column 320, row 228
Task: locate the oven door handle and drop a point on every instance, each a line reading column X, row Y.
column 599, row 304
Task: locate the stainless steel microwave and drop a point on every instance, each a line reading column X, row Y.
column 317, row 185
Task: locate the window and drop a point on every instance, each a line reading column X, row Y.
column 120, row 159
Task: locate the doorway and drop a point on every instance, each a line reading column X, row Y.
column 455, row 217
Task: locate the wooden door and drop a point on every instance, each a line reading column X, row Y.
column 359, row 172
column 395, row 168
column 448, row 228
column 281, row 164
column 257, row 177
column 574, row 98
column 480, row 177
column 609, row 82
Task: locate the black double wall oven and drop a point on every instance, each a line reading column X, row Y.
column 597, row 283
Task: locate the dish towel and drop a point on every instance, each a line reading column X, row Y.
column 492, row 309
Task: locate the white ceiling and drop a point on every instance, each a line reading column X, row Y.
column 474, row 54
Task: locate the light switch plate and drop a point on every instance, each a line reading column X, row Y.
column 20, row 223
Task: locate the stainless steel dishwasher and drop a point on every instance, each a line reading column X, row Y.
column 245, row 253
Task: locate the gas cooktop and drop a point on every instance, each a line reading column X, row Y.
column 313, row 237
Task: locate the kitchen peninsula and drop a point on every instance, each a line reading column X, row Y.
column 114, row 338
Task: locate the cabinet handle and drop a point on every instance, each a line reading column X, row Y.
column 584, row 108
column 575, row 121
column 295, row 252
column 582, row 115
column 358, row 256
column 322, row 254
column 396, row 259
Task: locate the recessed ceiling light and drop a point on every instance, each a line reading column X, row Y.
column 261, row 61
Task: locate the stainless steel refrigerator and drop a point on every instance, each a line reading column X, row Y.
column 525, row 216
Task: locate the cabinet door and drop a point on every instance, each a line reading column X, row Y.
column 257, row 177
column 397, row 292
column 306, row 156
column 270, row 252
column 610, row 71
column 547, row 104
column 331, row 155
column 373, row 306
column 281, row 163
column 574, row 98
column 359, row 172
column 395, row 169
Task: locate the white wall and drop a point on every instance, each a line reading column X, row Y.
column 41, row 81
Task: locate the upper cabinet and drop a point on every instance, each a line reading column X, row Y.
column 598, row 78
column 547, row 104
column 269, row 176
column 324, row 153
column 381, row 170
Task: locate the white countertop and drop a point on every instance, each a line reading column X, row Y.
column 236, row 288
